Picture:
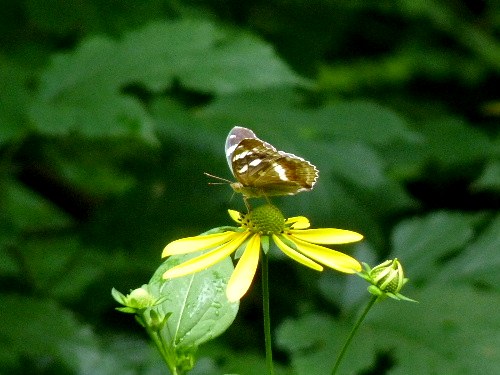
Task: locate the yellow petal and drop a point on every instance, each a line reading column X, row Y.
column 327, row 235
column 331, row 258
column 197, row 243
column 235, row 215
column 295, row 255
column 206, row 260
column 243, row 274
column 298, row 222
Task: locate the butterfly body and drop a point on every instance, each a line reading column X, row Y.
column 261, row 170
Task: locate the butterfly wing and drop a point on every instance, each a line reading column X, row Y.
column 262, row 170
column 288, row 174
column 235, row 136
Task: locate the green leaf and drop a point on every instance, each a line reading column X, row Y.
column 61, row 266
column 364, row 121
column 28, row 211
column 431, row 337
column 82, row 91
column 450, row 142
column 217, row 359
column 68, row 15
column 91, row 166
column 489, row 178
column 49, row 335
column 479, row 262
column 313, row 342
column 198, row 303
column 420, row 242
column 204, row 56
column 278, row 108
column 91, row 111
column 14, row 98
column 36, row 327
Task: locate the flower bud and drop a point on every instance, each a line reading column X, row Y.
column 387, row 279
column 137, row 299
column 184, row 360
column 157, row 320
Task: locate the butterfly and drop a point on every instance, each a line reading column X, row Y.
column 261, row 170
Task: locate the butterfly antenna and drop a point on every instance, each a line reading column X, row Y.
column 217, row 178
column 225, row 181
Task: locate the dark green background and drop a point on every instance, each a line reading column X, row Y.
column 110, row 112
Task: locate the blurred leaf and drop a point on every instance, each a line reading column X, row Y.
column 218, row 359
column 398, row 68
column 363, row 121
column 45, row 332
column 14, row 97
column 422, row 243
column 82, row 91
column 92, row 112
column 440, row 15
column 28, row 211
column 204, row 56
column 94, row 167
column 240, row 63
column 65, row 17
column 451, row 142
column 355, row 162
column 354, row 181
column 280, row 109
column 61, row 266
column 347, row 293
column 198, row 303
column 134, row 355
column 489, row 178
column 431, row 337
column 313, row 342
column 480, row 260
column 356, row 75
column 267, row 109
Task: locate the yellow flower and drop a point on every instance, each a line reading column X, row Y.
column 291, row 236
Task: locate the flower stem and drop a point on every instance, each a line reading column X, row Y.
column 267, row 315
column 353, row 332
column 166, row 356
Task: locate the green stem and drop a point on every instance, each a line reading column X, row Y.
column 166, row 355
column 267, row 315
column 353, row 332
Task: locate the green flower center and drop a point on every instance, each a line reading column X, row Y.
column 266, row 219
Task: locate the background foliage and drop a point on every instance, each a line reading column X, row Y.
column 110, row 111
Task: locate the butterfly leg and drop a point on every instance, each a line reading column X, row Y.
column 247, row 203
column 267, row 199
